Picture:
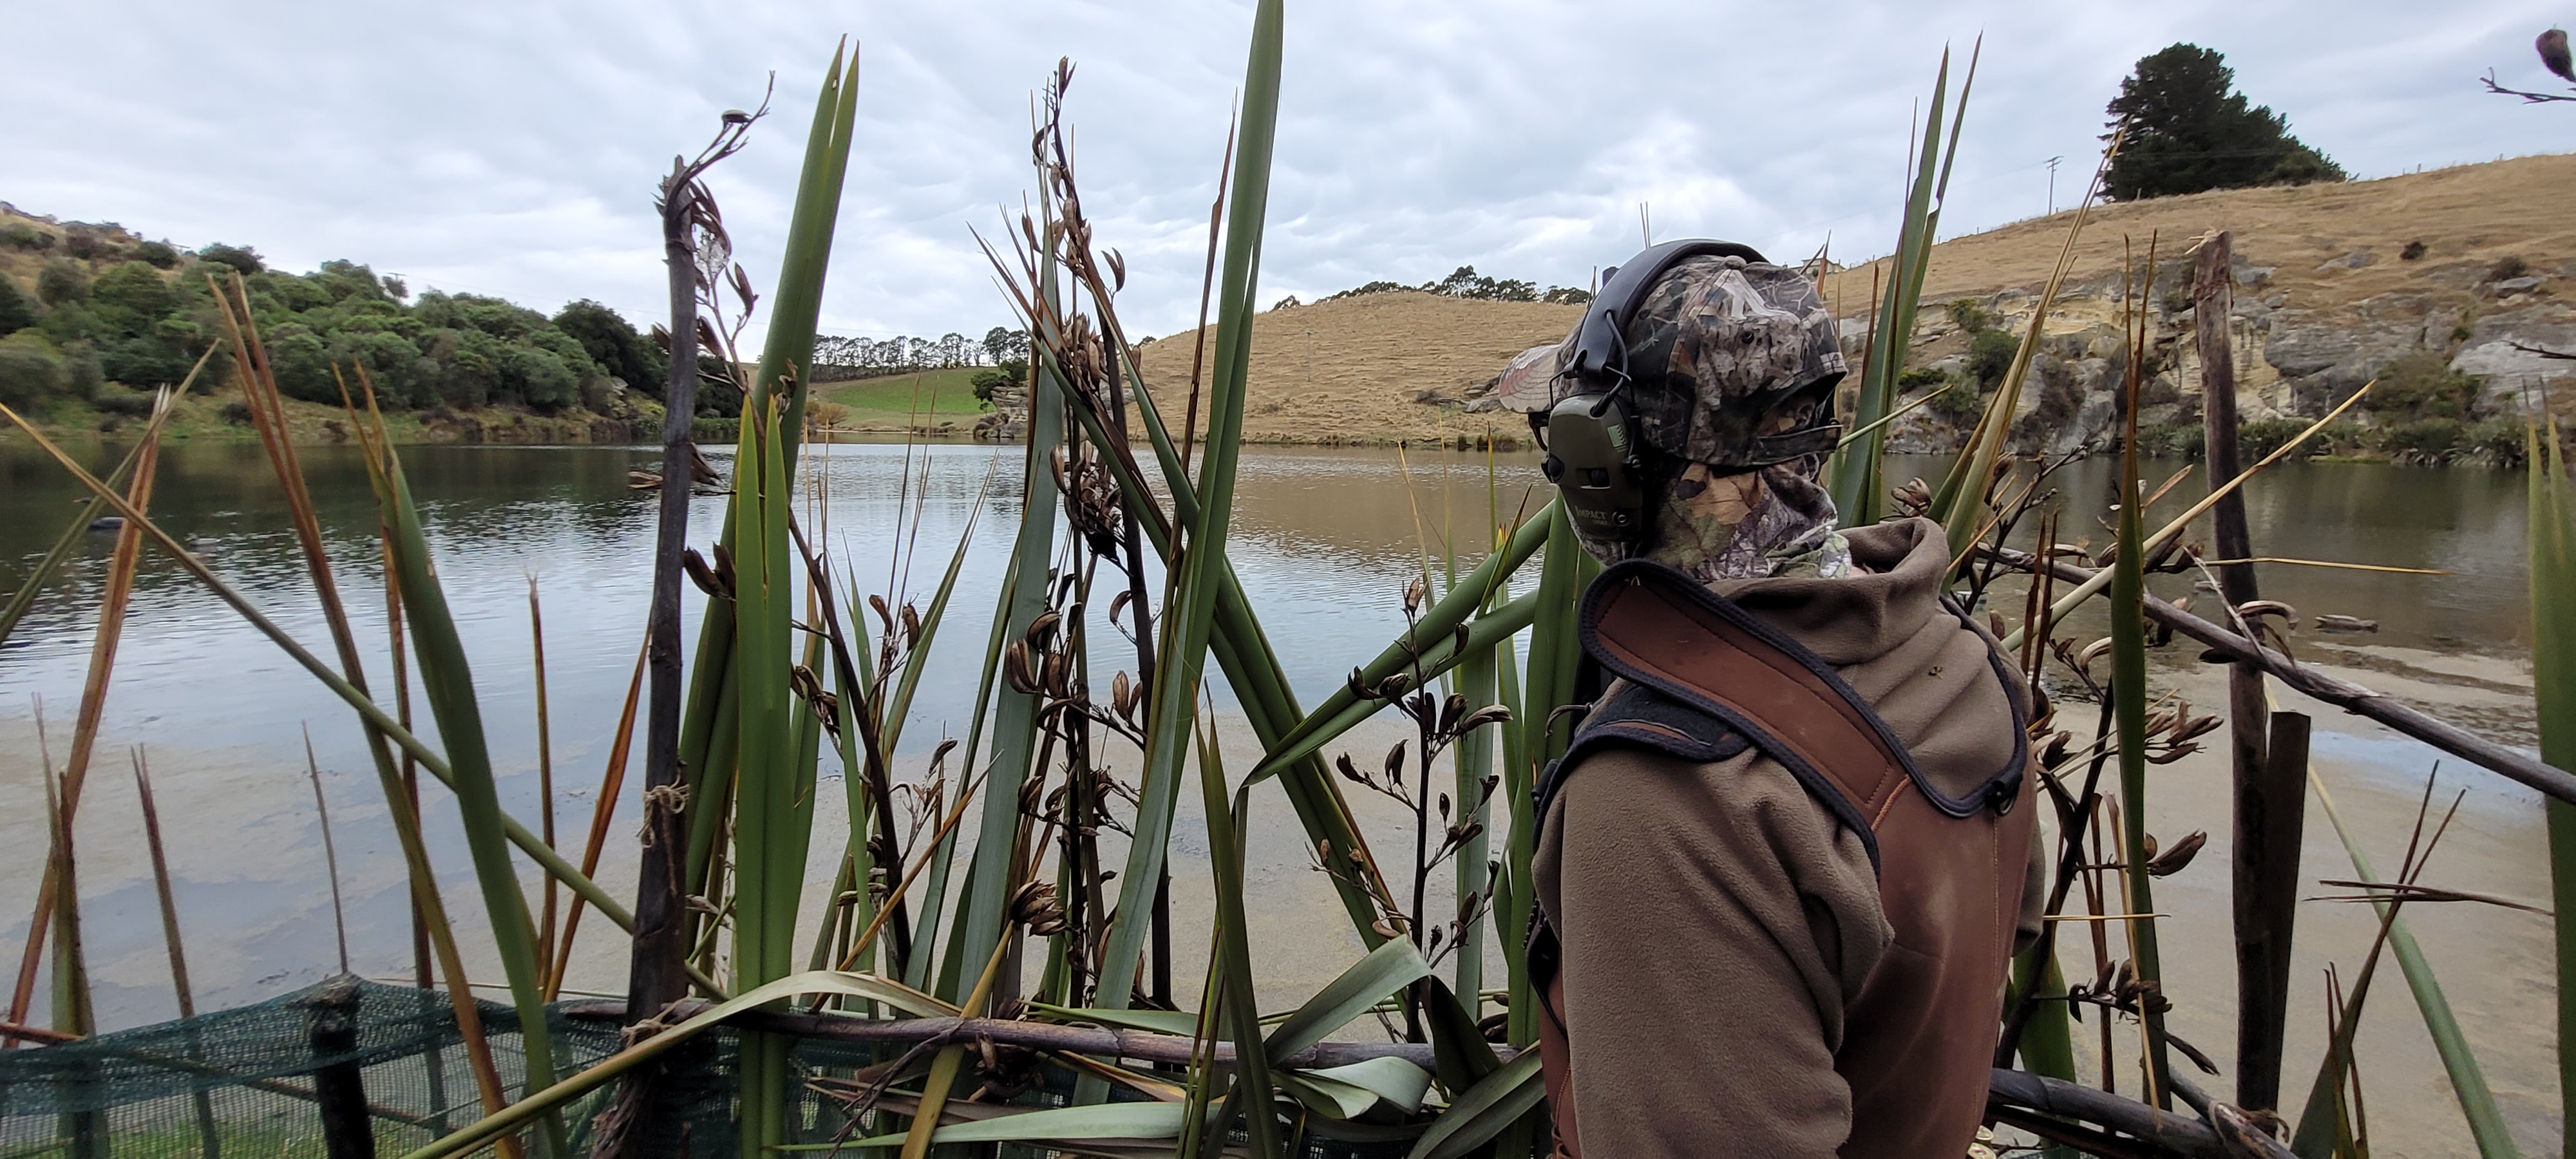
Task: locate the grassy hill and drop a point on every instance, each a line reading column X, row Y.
column 900, row 402
column 2467, row 218
column 1372, row 369
column 2325, row 285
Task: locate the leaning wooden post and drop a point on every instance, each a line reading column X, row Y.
column 2261, row 950
column 656, row 975
column 331, row 1026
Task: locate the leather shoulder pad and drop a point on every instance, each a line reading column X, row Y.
column 1634, row 716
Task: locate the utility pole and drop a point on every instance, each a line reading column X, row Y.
column 2052, row 184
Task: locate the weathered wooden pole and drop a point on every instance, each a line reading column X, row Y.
column 2272, row 819
column 339, row 1092
column 655, row 979
column 2262, row 931
column 656, row 972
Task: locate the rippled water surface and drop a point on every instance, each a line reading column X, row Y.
column 1323, row 540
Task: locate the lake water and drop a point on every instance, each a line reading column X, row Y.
column 1324, row 541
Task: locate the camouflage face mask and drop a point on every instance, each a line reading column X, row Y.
column 1734, row 366
column 1774, row 520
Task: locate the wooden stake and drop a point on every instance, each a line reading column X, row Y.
column 339, row 1090
column 2260, row 1006
column 2269, row 823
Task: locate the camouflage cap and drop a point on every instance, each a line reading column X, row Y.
column 1732, row 365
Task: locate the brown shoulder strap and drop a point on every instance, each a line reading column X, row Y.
column 1654, row 625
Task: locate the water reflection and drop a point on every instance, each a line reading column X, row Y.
column 1323, row 539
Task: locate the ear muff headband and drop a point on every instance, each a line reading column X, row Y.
column 1600, row 359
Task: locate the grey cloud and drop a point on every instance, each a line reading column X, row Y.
column 511, row 149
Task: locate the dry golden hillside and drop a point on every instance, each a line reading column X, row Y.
column 1349, row 371
column 2320, row 266
column 2468, row 218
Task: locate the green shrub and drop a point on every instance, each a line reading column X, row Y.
column 2507, row 267
column 2261, row 437
column 31, row 369
column 158, row 253
column 1990, row 356
column 302, row 364
column 986, row 381
column 2421, row 440
column 133, row 296
column 620, row 351
column 81, row 374
column 239, row 257
column 2422, row 385
column 1967, row 314
column 19, row 235
column 130, row 403
column 1920, row 377
column 2492, row 443
column 2341, row 438
column 542, row 379
column 62, row 280
column 2187, row 441
column 2414, row 251
column 144, row 362
column 86, row 242
column 17, row 310
column 1961, row 401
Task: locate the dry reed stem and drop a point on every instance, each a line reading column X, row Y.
column 612, row 782
column 211, row 1144
column 330, row 851
column 113, row 602
column 546, row 951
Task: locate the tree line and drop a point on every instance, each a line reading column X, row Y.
column 1465, row 282
column 108, row 309
column 105, row 309
column 836, row 359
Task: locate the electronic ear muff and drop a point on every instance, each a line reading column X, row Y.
column 1595, row 452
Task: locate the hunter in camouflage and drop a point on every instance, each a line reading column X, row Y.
column 1811, row 778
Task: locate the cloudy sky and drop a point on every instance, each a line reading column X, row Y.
column 511, row 148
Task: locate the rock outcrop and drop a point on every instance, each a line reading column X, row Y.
column 2332, row 285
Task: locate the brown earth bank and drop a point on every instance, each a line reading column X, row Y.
column 219, row 418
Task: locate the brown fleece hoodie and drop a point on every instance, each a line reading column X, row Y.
column 1716, row 921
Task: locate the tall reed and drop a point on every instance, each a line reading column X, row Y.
column 2553, row 671
column 54, row 900
column 1191, row 610
column 1853, row 474
column 2128, row 692
column 447, row 682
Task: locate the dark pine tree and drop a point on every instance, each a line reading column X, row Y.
column 2190, row 130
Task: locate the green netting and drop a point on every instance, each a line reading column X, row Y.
column 238, row 1084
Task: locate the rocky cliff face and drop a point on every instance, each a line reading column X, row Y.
column 2331, row 285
